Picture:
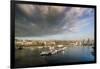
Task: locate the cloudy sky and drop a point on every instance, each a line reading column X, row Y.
column 53, row 22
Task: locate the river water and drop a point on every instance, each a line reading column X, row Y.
column 30, row 56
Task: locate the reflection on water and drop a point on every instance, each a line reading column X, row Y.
column 30, row 56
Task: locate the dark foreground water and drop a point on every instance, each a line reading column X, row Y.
column 31, row 56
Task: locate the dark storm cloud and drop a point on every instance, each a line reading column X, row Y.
column 35, row 20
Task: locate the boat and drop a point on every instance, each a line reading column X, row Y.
column 45, row 53
column 52, row 52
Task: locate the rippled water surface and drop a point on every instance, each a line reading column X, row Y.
column 31, row 56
